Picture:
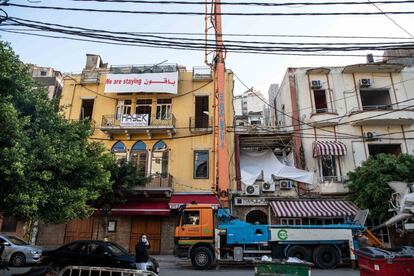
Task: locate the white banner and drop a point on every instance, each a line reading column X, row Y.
column 134, row 120
column 147, row 82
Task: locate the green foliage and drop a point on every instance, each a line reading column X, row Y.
column 48, row 169
column 124, row 177
column 368, row 183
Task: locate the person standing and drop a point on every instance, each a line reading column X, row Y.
column 141, row 252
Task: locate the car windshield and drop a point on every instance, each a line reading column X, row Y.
column 16, row 240
column 116, row 249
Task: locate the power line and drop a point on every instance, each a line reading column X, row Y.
column 203, row 13
column 235, row 34
column 266, row 4
column 174, row 44
column 392, row 20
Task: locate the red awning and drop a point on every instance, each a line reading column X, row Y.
column 180, row 199
column 322, row 148
column 313, row 208
column 150, row 208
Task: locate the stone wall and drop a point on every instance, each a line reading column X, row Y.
column 51, row 236
column 167, row 234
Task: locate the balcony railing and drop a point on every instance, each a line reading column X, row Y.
column 204, row 124
column 337, row 179
column 90, row 76
column 202, row 73
column 324, row 111
column 160, row 181
column 136, row 121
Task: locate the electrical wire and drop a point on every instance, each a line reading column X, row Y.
column 202, row 13
column 266, row 4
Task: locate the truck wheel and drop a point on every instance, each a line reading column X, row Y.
column 326, row 257
column 299, row 252
column 202, row 258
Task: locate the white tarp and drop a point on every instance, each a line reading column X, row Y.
column 252, row 163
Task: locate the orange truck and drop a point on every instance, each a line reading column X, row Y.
column 207, row 235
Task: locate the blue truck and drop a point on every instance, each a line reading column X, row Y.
column 209, row 235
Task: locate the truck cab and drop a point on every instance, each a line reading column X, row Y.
column 194, row 234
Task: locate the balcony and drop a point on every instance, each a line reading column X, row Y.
column 202, row 74
column 333, row 185
column 159, row 183
column 138, row 124
column 382, row 115
column 201, row 125
column 323, row 117
column 90, row 77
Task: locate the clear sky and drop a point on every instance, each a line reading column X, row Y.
column 255, row 70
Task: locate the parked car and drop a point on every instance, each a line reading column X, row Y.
column 93, row 253
column 17, row 252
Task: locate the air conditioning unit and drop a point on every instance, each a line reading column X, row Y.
column 316, row 84
column 252, row 190
column 365, row 83
column 268, row 187
column 286, row 184
column 371, row 136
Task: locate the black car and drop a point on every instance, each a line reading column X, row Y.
column 92, row 253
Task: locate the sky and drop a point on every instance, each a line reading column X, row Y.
column 257, row 71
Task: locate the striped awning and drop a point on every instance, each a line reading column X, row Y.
column 310, row 208
column 321, row 148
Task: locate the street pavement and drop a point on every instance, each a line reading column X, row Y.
column 169, row 266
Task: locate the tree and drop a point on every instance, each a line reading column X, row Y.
column 124, row 177
column 368, row 183
column 49, row 170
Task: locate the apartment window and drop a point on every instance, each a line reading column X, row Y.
column 375, row 149
column 159, row 159
column 375, row 99
column 139, row 156
column 123, row 108
column 201, row 112
column 119, row 150
column 163, row 109
column 43, row 73
column 201, row 164
column 86, row 109
column 329, row 165
column 321, row 104
column 9, row 224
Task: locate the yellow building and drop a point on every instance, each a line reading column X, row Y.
column 161, row 117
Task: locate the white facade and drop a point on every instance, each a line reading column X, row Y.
column 347, row 105
column 249, row 108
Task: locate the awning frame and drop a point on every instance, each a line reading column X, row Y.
column 325, row 148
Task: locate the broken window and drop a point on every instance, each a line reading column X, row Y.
column 375, row 149
column 201, row 112
column 321, row 105
column 375, row 99
column 86, row 109
column 163, row 109
column 329, row 165
column 201, row 164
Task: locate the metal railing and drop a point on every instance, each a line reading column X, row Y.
column 336, row 179
column 201, row 124
column 160, row 181
column 137, row 121
column 382, row 107
column 202, row 73
column 90, row 76
column 90, row 270
column 324, row 110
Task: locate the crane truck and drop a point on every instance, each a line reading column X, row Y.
column 207, row 235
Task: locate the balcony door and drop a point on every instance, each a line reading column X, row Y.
column 163, row 109
column 159, row 159
column 144, row 106
column 201, row 112
column 139, row 156
column 123, row 109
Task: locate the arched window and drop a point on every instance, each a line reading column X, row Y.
column 119, row 150
column 159, row 160
column 139, row 156
column 257, row 217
